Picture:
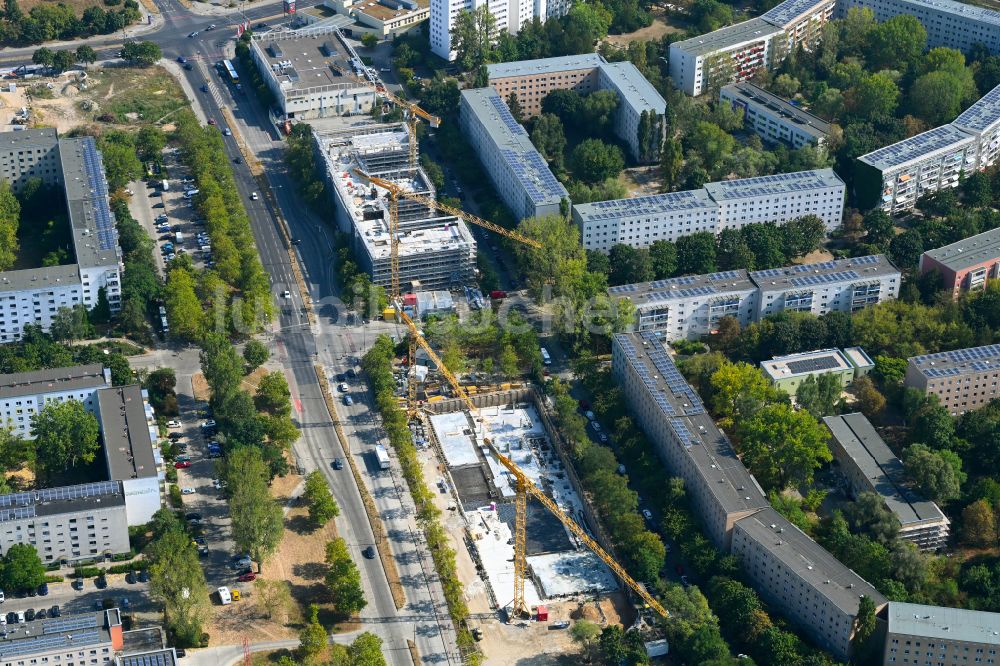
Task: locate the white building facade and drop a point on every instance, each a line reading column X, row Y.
column 956, row 25
column 23, row 395
column 510, row 15
column 774, row 119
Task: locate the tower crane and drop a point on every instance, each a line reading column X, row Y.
column 523, row 484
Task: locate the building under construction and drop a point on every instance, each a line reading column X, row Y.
column 436, row 251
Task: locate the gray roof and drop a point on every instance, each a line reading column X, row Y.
column 655, row 204
column 61, row 634
column 959, row 362
column 937, row 622
column 633, row 88
column 40, row 382
column 728, row 37
column 810, row 561
column 81, row 498
column 712, row 455
column 45, row 136
column 164, row 657
column 803, row 276
column 916, row 148
column 973, row 12
column 45, row 277
column 713, row 285
column 127, row 445
column 762, row 99
column 969, row 251
column 95, row 238
column 303, row 60
column 883, row 471
column 806, row 363
column 502, row 70
column 514, row 145
column 983, row 115
column 745, row 188
column 789, row 10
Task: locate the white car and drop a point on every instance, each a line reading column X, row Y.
column 173, row 423
column 210, row 423
column 226, row 131
column 647, row 514
column 254, row 196
column 343, row 387
column 187, row 491
column 596, row 426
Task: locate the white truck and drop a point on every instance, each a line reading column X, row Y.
column 166, row 185
column 382, row 456
column 225, row 597
column 179, row 238
column 546, row 359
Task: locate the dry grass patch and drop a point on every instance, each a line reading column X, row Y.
column 199, row 386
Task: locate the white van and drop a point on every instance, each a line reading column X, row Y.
column 546, row 359
column 224, row 596
column 191, row 193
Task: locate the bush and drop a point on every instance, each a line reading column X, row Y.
column 175, row 496
column 87, row 572
column 54, row 579
column 123, row 568
column 123, row 557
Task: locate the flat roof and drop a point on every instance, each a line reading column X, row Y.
column 728, row 37
column 805, row 363
column 39, row 382
column 571, row 573
column 380, row 11
column 858, row 357
column 300, row 60
column 713, row 285
column 983, row 115
column 83, row 497
column 797, row 181
column 503, row 70
column 960, row 9
column 60, row 634
column 922, row 146
column 46, row 136
column 515, row 146
column 814, row 564
column 712, row 454
column 804, row 276
column 959, row 362
column 456, row 437
column 882, row 470
column 654, row 204
column 789, row 10
column 95, row 238
column 164, row 657
column 754, row 96
column 125, row 430
column 969, row 251
column 941, row 622
column 43, row 277
column 633, row 88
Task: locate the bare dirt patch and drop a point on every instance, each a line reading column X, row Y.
column 251, row 381
column 815, row 257
column 657, row 29
column 77, row 5
column 641, row 181
column 199, row 386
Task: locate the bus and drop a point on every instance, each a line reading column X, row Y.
column 231, row 71
column 381, row 456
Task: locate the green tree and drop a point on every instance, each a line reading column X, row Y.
column 65, row 435
column 63, row 60
column 221, row 366
column 183, row 307
column 935, row 473
column 875, row 95
column 313, row 638
column 256, row 517
column 878, row 228
column 549, row 138
column 10, row 217
column 629, row 264
column 663, row 255
column 818, row 395
column 803, row 235
column 177, row 580
column 897, row 42
column 255, row 354
column 366, row 650
column 43, row 56
column 739, row 390
column 71, row 324
column 150, row 142
column 141, row 54
column 273, row 395
column 368, row 40
column 671, row 161
column 515, row 107
column 977, row 190
column 868, row 513
column 870, row 401
column 906, row 248
column 783, row 447
column 322, row 507
column 86, row 55
column 343, row 579
column 594, row 161
column 979, row 524
column 472, row 37
column 696, row 253
column 21, row 568
column 936, row 97
column 864, row 622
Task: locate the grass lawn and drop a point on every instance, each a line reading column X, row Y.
column 134, row 95
column 77, row 5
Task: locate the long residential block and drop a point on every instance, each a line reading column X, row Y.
column 963, row 380
column 966, row 265
column 24, row 394
column 730, row 204
column 956, row 25
column 81, row 639
column 519, row 174
column 871, row 467
column 510, row 15
column 917, row 634
column 774, row 119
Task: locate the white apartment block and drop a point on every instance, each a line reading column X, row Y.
column 24, row 394
column 843, row 285
column 916, row 634
column 774, row 119
column 28, row 154
column 518, row 172
column 894, row 177
column 956, row 25
column 691, row 306
column 510, row 15
column 79, row 639
column 729, row 204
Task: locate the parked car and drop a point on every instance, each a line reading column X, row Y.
column 369, row 553
column 54, row 611
column 254, row 196
column 40, row 615
column 29, row 614
column 210, row 423
column 248, row 577
column 348, row 400
column 211, row 121
column 187, row 490
column 144, row 576
column 184, row 464
column 343, row 387
column 204, row 89
column 77, row 584
column 43, row 590
column 101, row 582
column 188, row 67
column 647, row 514
column 241, row 561
column 338, row 463
column 192, row 517
column 173, row 423
column 181, row 59
column 131, row 578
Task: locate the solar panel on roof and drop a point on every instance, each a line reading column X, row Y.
column 161, row 658
column 42, row 643
column 70, row 623
column 813, row 364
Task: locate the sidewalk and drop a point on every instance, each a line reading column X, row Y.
column 99, row 42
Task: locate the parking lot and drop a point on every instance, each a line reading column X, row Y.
column 83, row 597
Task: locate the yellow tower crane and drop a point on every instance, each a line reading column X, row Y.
column 522, row 483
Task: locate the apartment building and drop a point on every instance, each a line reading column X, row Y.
column 382, row 18
column 435, row 251
column 730, row 204
column 966, row 265
column 720, row 488
column 982, row 121
column 519, row 174
column 956, row 25
column 81, row 639
column 774, row 119
column 917, row 634
column 963, row 380
column 312, row 72
column 162, row 657
column 870, row 467
column 788, row 372
column 736, row 52
column 24, row 394
column 30, row 153
column 510, row 15
column 843, row 285
column 800, row 579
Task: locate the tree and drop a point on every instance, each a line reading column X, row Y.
column 875, row 95
column 71, row 323
column 783, row 447
column 86, row 55
column 585, row 631
column 870, row 401
column 977, row 190
column 864, row 622
column 515, row 107
column 549, row 138
column 878, row 227
column 274, row 597
column 150, row 142
column 906, row 248
column 696, row 253
column 802, row 235
column 739, row 390
column 671, row 161
column 257, row 518
column 183, row 307
column 868, row 513
column 629, row 265
column 313, row 638
column 43, row 56
column 255, row 353
column 818, row 395
column 177, row 580
column 343, row 579
column 594, row 161
column 936, row 97
column 142, row 54
column 21, row 568
column 10, row 217
column 897, row 42
column 322, row 506
column 366, row 650
column 934, row 473
column 472, row 37
column 979, row 524
column 63, row 60
column 663, row 255
column 65, row 435
column 273, row 396
column 368, row 40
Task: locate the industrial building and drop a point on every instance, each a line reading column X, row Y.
column 955, row 25
column 520, row 175
column 33, row 296
column 871, row 467
column 916, row 634
column 24, row 394
column 966, row 265
column 436, row 251
column 736, row 52
column 730, row 204
column 312, row 72
column 788, row 372
column 894, row 177
column 774, row 119
column 963, row 380
column 691, row 306
column 532, row 80
column 82, row 639
column 510, row 15
column 382, row 18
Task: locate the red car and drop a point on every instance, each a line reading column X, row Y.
column 248, row 577
column 184, row 464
